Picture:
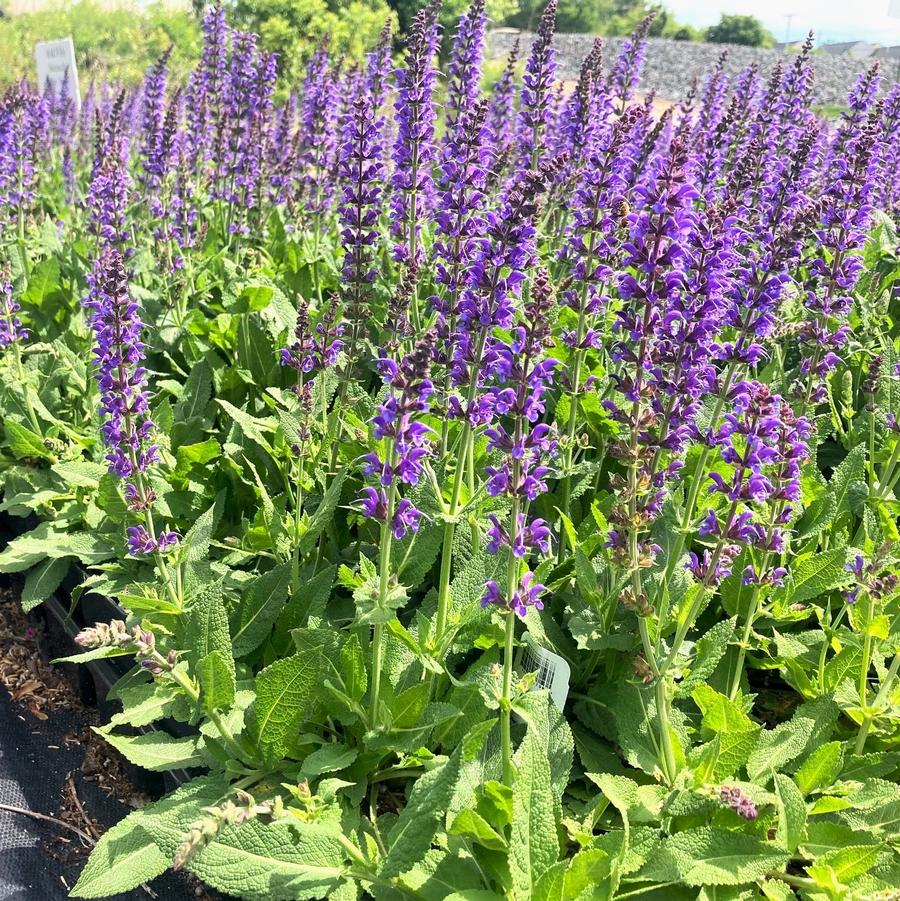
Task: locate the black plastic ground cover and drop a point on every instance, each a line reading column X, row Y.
column 40, row 861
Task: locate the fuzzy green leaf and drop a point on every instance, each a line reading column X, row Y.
column 156, row 751
column 420, row 820
column 125, row 857
column 534, row 846
column 283, row 692
column 282, row 861
column 814, row 576
column 217, row 684
column 260, row 606
column 206, row 624
column 710, row 856
column 791, row 813
column 821, row 768
column 43, row 580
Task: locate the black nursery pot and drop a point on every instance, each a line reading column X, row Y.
column 96, row 677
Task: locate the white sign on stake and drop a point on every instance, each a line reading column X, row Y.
column 56, row 64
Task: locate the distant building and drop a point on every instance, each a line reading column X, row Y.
column 853, row 49
column 789, row 47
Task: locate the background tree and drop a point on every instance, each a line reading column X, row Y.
column 746, row 30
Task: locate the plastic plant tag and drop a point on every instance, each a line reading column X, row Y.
column 552, row 670
column 56, row 65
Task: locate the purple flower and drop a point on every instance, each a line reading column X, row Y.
column 11, row 329
column 537, row 83
column 154, row 152
column 464, row 69
column 734, row 798
column 414, row 146
column 405, row 440
column 502, row 107
column 361, row 171
column 141, row 543
column 626, row 73
column 527, row 595
column 119, row 354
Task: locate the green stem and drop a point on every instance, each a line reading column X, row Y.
column 505, row 701
column 23, row 381
column 384, row 565
column 696, row 478
column 823, row 654
column 884, row 483
column 880, row 698
column 443, row 602
column 665, row 728
column 193, row 692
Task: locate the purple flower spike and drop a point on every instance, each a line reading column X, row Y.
column 414, row 147
column 734, row 798
column 119, row 355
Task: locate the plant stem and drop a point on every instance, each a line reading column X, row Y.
column 505, row 702
column 384, row 571
column 193, row 692
column 880, row 698
column 23, row 381
column 443, row 602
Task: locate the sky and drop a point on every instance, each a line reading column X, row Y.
column 832, row 20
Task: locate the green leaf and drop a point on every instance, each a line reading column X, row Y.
column 23, row 552
column 283, row 692
column 42, row 281
column 821, row 768
column 471, row 825
column 156, row 751
column 724, row 755
column 254, row 349
column 791, row 813
column 25, row 443
column 195, row 546
column 284, row 860
column 814, row 576
column 810, row 725
column 844, row 863
column 206, row 625
column 851, row 469
column 251, row 426
column 95, row 654
column 409, row 705
column 353, row 668
column 310, row 600
column 125, row 857
column 43, row 580
column 196, row 393
column 710, row 856
column 260, row 606
column 217, row 684
column 80, row 473
column 144, row 704
column 328, row 759
column 534, row 845
column 418, row 823
column 324, row 512
column 720, row 713
column 709, row 651
column 142, row 845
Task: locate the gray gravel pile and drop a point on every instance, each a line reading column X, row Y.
column 671, row 66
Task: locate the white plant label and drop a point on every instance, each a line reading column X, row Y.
column 553, row 671
column 55, row 63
